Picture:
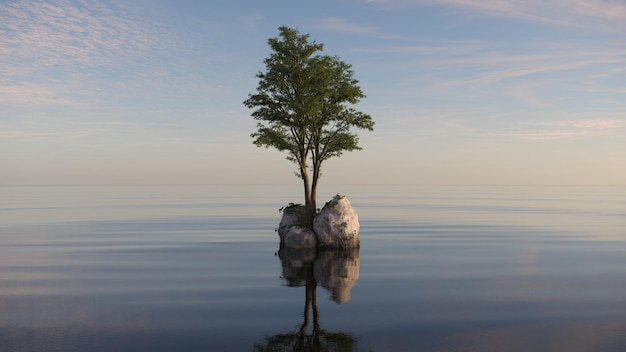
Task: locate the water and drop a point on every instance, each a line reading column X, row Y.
column 197, row 268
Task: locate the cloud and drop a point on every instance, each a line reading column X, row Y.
column 58, row 32
column 551, row 135
column 493, row 67
column 535, row 79
column 542, row 76
column 549, row 130
column 341, row 25
column 597, row 124
column 538, row 74
column 528, row 93
column 607, row 15
column 25, row 134
column 428, row 48
column 22, row 94
column 61, row 52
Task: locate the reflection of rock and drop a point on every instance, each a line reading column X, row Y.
column 337, row 271
column 295, row 264
column 337, row 225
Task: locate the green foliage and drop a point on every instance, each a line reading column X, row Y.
column 292, row 208
column 303, row 103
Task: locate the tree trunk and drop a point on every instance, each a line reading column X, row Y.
column 312, row 205
column 311, row 210
column 309, row 199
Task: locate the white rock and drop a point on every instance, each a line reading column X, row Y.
column 300, row 237
column 337, row 224
column 292, row 216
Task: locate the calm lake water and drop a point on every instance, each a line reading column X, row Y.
column 198, row 268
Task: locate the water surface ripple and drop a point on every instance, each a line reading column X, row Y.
column 198, row 268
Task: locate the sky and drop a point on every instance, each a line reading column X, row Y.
column 463, row 92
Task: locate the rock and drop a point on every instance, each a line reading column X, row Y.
column 299, row 237
column 291, row 233
column 293, row 215
column 337, row 270
column 337, row 224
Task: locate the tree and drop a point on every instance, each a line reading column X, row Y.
column 303, row 102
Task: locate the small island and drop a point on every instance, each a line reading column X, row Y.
column 335, row 226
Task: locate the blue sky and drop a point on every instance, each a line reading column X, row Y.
column 462, row 91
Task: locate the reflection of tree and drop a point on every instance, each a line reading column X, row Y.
column 335, row 270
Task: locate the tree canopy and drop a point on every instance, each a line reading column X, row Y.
column 303, row 105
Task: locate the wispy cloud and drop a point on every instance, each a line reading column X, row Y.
column 24, row 93
column 558, row 134
column 549, row 130
column 529, row 92
column 538, row 73
column 493, row 66
column 597, row 124
column 60, row 32
column 523, row 69
column 608, row 15
column 427, row 48
column 342, row 25
column 25, row 134
column 52, row 51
